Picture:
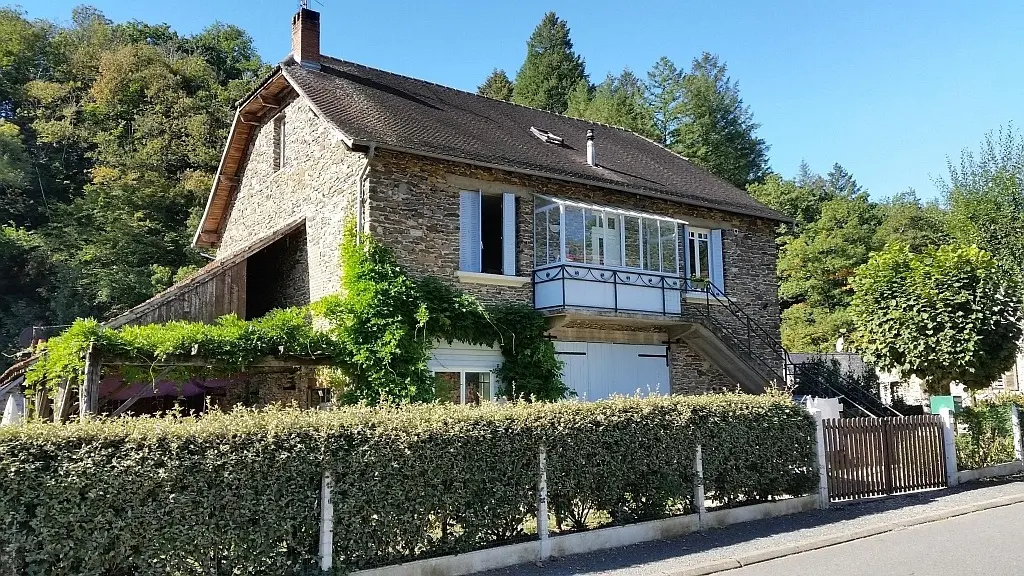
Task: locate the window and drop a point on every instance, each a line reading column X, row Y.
column 573, row 232
column 463, row 387
column 279, row 142
column 487, row 232
column 699, row 246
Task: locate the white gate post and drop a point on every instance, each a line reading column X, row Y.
column 1018, row 449
column 326, row 524
column 544, row 551
column 819, row 445
column 949, row 442
column 698, row 488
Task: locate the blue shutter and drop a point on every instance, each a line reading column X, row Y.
column 508, row 234
column 717, row 262
column 686, row 257
column 469, row 231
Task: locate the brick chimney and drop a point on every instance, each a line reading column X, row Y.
column 306, row 37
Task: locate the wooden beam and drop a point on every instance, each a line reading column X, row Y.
column 228, row 179
column 271, row 361
column 89, row 393
column 140, row 393
column 269, row 101
column 63, row 411
column 252, row 119
column 43, row 405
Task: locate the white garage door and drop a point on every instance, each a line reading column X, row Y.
column 596, row 370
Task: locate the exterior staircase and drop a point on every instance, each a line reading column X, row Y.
column 747, row 353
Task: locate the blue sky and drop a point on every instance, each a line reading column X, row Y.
column 888, row 89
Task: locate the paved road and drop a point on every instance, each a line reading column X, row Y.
column 669, row 556
column 984, row 543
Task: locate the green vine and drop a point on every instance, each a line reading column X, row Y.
column 389, row 321
column 377, row 332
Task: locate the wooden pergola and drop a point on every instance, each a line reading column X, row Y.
column 89, row 387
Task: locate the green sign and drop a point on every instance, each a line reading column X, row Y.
column 940, row 402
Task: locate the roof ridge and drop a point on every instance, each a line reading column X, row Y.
column 429, row 83
column 584, row 120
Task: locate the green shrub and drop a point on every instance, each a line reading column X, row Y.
column 238, row 493
column 985, row 435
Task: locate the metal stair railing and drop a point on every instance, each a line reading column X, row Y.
column 753, row 342
column 819, row 380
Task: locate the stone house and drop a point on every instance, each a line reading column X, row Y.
column 654, row 274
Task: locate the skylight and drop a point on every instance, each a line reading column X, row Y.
column 546, row 136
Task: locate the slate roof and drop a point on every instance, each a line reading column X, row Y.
column 401, row 113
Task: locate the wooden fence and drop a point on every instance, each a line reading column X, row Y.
column 867, row 457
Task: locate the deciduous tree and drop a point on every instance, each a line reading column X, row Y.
column 947, row 314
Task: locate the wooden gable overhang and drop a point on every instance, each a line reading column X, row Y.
column 250, row 114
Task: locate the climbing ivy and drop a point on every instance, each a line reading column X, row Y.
column 389, row 321
column 377, row 331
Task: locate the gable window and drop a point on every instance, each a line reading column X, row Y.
column 280, row 126
column 487, row 233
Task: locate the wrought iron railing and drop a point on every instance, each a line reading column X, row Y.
column 811, row 378
column 666, row 285
column 752, row 341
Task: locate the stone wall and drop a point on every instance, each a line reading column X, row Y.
column 318, row 181
column 414, row 208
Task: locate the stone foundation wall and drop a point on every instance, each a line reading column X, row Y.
column 318, row 181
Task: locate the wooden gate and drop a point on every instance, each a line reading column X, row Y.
column 868, row 457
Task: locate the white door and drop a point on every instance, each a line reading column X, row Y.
column 596, row 370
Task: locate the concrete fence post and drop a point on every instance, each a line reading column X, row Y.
column 949, row 444
column 326, row 523
column 819, row 445
column 1018, row 448
column 544, row 549
column 698, row 488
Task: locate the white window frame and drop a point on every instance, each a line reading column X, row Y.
column 462, row 381
column 604, row 214
column 693, row 256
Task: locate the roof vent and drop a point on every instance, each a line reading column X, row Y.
column 546, row 136
column 591, row 152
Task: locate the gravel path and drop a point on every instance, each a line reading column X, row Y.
column 740, row 539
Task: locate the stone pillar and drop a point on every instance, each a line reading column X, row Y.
column 949, row 444
column 819, row 444
column 1018, row 449
column 544, row 550
column 698, row 488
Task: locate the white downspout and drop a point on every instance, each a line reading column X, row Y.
column 359, row 197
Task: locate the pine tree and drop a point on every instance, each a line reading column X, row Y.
column 664, row 97
column 579, row 100
column 551, row 69
column 496, row 86
column 718, row 130
column 619, row 101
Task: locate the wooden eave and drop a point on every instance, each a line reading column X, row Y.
column 250, row 115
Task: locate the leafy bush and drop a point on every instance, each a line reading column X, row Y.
column 238, row 493
column 985, row 437
column 378, row 332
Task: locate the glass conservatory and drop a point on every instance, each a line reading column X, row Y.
column 588, row 256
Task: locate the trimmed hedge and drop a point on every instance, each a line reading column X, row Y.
column 239, row 493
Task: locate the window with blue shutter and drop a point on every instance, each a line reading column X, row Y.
column 469, row 231
column 508, row 234
column 487, row 233
column 717, row 261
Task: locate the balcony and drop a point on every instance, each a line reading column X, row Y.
column 557, row 286
column 600, row 258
